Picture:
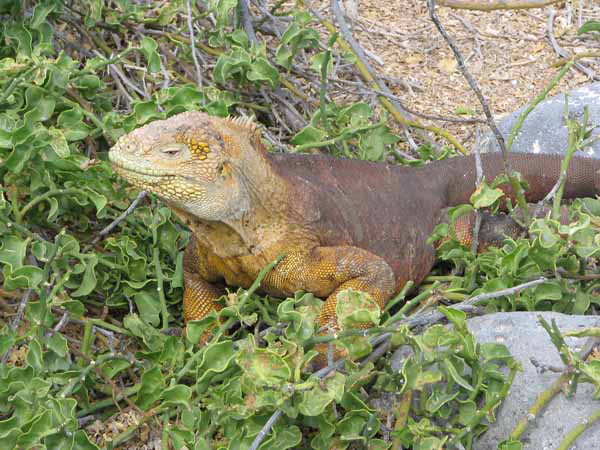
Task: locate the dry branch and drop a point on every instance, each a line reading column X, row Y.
column 499, row 4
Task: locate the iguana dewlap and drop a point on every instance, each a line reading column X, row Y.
column 340, row 223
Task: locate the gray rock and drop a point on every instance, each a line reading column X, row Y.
column 544, row 129
column 525, row 339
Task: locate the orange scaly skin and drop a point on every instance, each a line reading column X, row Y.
column 340, row 223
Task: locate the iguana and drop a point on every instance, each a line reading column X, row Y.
column 340, row 223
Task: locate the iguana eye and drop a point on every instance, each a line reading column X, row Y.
column 172, row 150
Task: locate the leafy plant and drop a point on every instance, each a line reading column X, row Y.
column 91, row 288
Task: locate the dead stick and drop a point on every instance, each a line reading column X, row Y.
column 501, row 4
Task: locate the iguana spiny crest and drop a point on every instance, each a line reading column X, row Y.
column 195, row 162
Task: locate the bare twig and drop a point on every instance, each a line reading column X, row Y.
column 563, row 53
column 360, row 54
column 265, row 429
column 17, row 319
column 472, row 83
column 473, row 30
column 549, row 393
column 193, row 44
column 126, row 80
column 515, row 184
column 59, row 325
column 477, row 5
column 477, row 227
column 508, row 291
column 420, row 114
column 247, row 21
column 121, row 217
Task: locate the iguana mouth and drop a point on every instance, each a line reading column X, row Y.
column 141, row 177
column 130, row 170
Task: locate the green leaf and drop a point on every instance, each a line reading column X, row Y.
column 297, row 36
column 152, row 387
column 457, row 317
column 144, row 112
column 100, row 201
column 23, row 277
column 423, row 378
column 82, row 442
column 590, row 25
column 151, row 337
column 148, row 47
column 178, row 395
column 58, row 142
column 309, row 135
column 438, row 399
column 485, row 196
column 352, row 425
column 315, row 400
column 35, row 356
column 40, row 12
column 466, row 412
column 36, row 429
column 216, row 358
column 510, row 445
column 263, row 367
column 261, row 70
column 550, row 290
column 223, row 9
column 430, row 443
column 356, row 307
column 9, row 431
column 58, row 344
column 456, row 377
column 88, row 283
column 148, row 305
column 287, row 437
column 492, row 351
column 316, row 62
column 19, row 35
column 12, row 251
column 582, row 302
column 71, row 122
column 112, row 367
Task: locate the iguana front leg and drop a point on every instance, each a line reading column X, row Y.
column 200, row 292
column 325, row 271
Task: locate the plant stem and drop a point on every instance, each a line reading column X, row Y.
column 160, row 288
column 539, row 404
column 401, row 314
column 578, row 430
column 541, row 96
column 46, row 195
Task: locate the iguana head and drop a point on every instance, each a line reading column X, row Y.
column 195, row 162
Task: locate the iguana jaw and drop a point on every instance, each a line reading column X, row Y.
column 142, row 177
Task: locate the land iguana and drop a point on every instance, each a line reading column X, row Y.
column 340, row 223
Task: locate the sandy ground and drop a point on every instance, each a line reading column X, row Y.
column 508, row 52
